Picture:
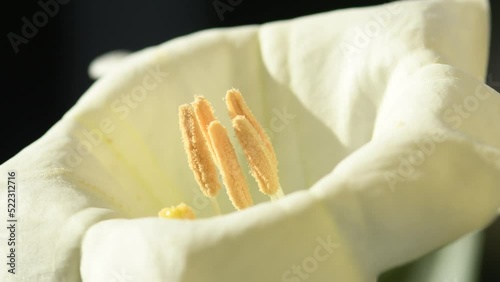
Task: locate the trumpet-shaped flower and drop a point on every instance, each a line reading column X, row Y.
column 386, row 137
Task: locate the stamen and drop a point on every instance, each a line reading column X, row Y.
column 199, row 158
column 237, row 106
column 205, row 115
column 208, row 147
column 181, row 211
column 262, row 167
column 232, row 175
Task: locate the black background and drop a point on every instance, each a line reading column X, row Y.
column 49, row 73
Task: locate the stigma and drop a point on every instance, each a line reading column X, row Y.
column 181, row 211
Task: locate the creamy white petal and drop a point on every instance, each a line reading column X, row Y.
column 351, row 114
column 106, row 62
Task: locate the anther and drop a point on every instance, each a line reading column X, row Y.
column 262, row 167
column 204, row 115
column 199, row 157
column 237, row 106
column 232, row 175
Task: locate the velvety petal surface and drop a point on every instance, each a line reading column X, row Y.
column 351, row 99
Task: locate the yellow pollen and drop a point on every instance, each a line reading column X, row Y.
column 232, row 176
column 181, row 211
column 199, row 157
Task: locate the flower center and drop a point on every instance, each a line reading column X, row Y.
column 209, row 149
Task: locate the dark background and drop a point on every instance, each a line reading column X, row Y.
column 49, row 73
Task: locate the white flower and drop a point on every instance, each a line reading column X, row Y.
column 392, row 152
